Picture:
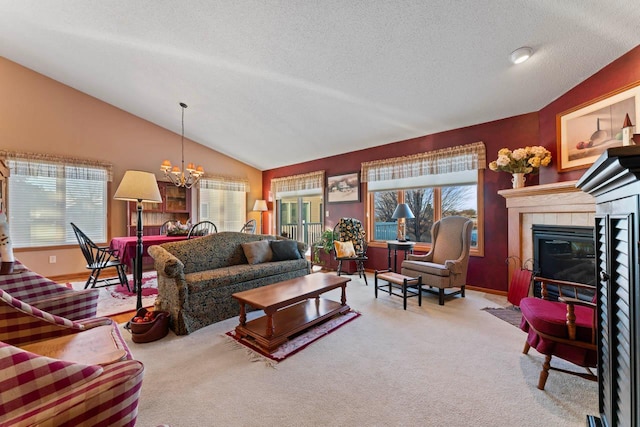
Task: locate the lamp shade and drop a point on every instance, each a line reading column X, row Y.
column 260, row 205
column 402, row 211
column 138, row 186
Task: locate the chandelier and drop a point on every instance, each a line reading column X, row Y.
column 177, row 175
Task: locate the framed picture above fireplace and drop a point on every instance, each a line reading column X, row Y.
column 585, row 132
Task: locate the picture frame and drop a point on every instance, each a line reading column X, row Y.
column 586, row 131
column 343, row 188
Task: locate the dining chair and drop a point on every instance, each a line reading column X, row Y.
column 349, row 244
column 202, row 228
column 249, row 227
column 100, row 258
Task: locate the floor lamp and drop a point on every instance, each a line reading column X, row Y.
column 402, row 213
column 260, row 206
column 138, row 186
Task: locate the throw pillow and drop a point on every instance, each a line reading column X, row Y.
column 285, row 250
column 344, row 249
column 257, row 252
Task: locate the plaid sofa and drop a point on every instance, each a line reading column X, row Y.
column 197, row 277
column 47, row 295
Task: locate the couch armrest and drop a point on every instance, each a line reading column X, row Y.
column 165, row 262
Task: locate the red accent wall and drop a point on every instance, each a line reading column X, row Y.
column 536, row 128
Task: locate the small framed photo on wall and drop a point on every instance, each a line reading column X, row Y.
column 343, row 188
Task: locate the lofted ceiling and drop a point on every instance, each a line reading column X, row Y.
column 273, row 83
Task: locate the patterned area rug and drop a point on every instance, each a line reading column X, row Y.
column 510, row 315
column 117, row 299
column 296, row 343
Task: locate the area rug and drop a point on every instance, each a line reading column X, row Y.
column 117, row 299
column 296, row 343
column 510, row 315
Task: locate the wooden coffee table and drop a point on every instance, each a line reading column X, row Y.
column 290, row 307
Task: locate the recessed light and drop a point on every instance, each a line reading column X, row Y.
column 520, row 55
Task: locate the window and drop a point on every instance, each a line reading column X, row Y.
column 428, row 204
column 434, row 185
column 223, row 201
column 45, row 196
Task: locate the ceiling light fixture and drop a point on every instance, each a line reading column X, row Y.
column 520, row 55
column 177, row 175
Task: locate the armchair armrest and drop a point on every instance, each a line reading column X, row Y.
column 425, row 258
column 561, row 284
column 73, row 305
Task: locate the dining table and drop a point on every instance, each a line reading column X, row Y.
column 126, row 246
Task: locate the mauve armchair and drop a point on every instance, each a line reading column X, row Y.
column 445, row 265
column 38, row 390
column 47, row 295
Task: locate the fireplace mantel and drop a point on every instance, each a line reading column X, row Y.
column 558, row 203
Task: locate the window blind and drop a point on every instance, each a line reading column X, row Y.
column 223, row 201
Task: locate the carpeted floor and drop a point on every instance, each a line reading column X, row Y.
column 452, row 365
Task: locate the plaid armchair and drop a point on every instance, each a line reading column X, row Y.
column 38, row 390
column 47, row 295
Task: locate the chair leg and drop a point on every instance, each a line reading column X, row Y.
column 361, row 272
column 544, row 374
column 339, row 267
column 526, row 348
column 441, row 296
column 122, row 275
column 462, row 291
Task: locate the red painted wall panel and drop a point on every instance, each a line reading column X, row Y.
column 536, row 128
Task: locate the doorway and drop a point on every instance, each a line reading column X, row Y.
column 300, row 218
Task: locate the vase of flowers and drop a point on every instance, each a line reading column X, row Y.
column 520, row 162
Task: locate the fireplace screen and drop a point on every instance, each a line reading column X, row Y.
column 564, row 253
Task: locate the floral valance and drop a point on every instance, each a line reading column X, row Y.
column 51, row 166
column 298, row 184
column 448, row 160
column 224, row 183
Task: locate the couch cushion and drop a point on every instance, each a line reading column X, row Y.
column 284, row 250
column 344, row 249
column 258, row 252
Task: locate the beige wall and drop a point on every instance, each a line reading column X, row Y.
column 40, row 115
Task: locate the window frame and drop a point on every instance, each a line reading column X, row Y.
column 477, row 251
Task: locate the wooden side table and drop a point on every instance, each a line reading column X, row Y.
column 396, row 246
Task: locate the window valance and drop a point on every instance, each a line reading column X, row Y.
column 225, row 183
column 298, row 185
column 448, row 160
column 51, row 166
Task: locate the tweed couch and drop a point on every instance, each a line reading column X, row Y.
column 197, row 277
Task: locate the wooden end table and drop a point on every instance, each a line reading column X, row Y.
column 290, row 307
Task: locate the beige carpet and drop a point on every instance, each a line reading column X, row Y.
column 451, row 365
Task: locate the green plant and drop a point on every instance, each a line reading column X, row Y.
column 324, row 243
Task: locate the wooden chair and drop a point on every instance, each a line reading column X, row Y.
column 349, row 244
column 99, row 258
column 202, row 228
column 565, row 328
column 249, row 227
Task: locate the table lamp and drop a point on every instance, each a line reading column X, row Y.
column 138, row 186
column 260, row 206
column 402, row 212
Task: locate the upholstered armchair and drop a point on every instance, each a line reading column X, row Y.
column 39, row 390
column 445, row 265
column 45, row 294
column 566, row 328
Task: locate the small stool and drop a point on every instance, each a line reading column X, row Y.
column 399, row 281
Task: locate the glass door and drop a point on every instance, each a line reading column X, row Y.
column 300, row 218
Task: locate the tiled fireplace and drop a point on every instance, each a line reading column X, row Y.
column 548, row 204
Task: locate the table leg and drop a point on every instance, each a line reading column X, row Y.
column 243, row 315
column 270, row 325
column 343, row 298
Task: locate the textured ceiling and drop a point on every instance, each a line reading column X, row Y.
column 272, row 83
